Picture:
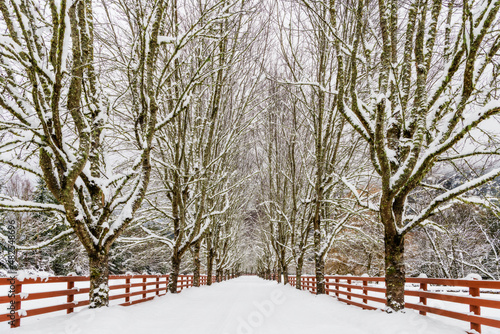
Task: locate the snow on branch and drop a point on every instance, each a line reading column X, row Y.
column 45, row 243
column 441, row 145
column 468, row 154
column 369, row 205
column 446, row 197
column 16, row 204
column 19, row 164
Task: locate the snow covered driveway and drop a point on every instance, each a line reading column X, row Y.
column 246, row 305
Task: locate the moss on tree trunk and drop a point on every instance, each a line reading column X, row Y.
column 99, row 274
column 174, row 274
column 320, row 276
column 196, row 263
column 298, row 273
column 394, row 271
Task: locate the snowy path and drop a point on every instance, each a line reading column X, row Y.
column 246, row 305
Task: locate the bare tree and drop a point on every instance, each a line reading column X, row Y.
column 415, row 87
column 58, row 114
column 329, row 148
column 195, row 155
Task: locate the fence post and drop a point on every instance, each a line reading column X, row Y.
column 337, row 287
column 127, row 290
column 157, row 285
column 71, row 297
column 423, row 300
column 474, row 292
column 144, row 280
column 365, row 291
column 349, row 289
column 18, row 286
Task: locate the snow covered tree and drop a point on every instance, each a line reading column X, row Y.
column 194, row 158
column 59, row 115
column 416, row 83
column 330, row 150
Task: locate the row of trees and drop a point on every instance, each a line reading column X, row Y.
column 214, row 130
column 372, row 98
column 129, row 112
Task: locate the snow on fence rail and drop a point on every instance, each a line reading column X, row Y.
column 132, row 289
column 369, row 293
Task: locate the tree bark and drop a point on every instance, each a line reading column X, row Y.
column 320, row 274
column 176, row 265
column 218, row 275
column 196, row 263
column 210, row 265
column 394, row 271
column 99, row 274
column 298, row 273
column 284, row 266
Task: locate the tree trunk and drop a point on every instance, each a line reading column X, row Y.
column 394, row 271
column 319, row 263
column 284, row 272
column 99, row 274
column 196, row 263
column 320, row 274
column 218, row 275
column 277, row 274
column 210, row 264
column 176, row 265
column 298, row 273
column 283, row 266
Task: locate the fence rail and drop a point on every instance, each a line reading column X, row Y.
column 132, row 289
column 369, row 293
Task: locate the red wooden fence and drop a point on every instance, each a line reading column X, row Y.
column 343, row 286
column 151, row 284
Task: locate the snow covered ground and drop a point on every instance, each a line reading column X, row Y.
column 457, row 307
column 246, row 305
